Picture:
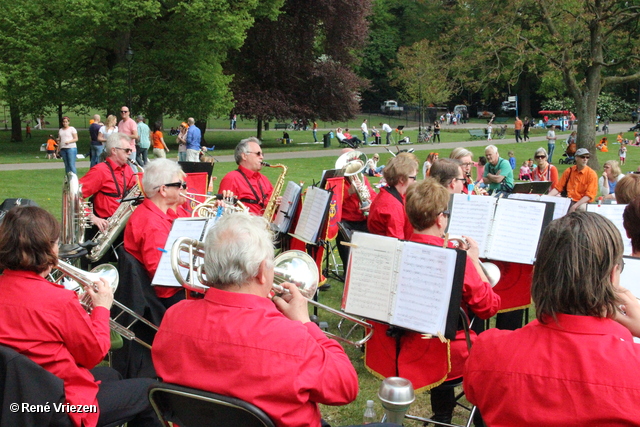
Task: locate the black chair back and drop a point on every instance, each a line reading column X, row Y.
column 189, row 407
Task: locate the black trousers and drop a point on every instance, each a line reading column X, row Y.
column 344, row 250
column 124, row 400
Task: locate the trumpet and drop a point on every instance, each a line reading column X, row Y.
column 209, row 208
column 490, row 269
column 108, row 272
column 292, row 266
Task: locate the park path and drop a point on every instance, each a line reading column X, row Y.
column 534, row 143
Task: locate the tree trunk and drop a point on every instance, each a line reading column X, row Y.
column 586, row 137
column 16, row 125
column 524, row 95
column 202, row 125
column 259, row 130
column 59, row 116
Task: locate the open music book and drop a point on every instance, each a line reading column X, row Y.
column 195, row 228
column 614, row 214
column 561, row 204
column 411, row 285
column 313, row 214
column 505, row 229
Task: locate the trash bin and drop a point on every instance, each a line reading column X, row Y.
column 266, row 125
column 326, row 138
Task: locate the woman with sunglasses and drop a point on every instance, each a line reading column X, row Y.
column 544, row 171
column 67, row 138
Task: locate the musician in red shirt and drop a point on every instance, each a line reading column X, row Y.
column 386, row 215
column 247, row 183
column 46, row 323
column 577, row 364
column 247, row 346
column 149, row 226
column 109, row 181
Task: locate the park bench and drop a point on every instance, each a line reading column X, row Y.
column 281, row 126
column 477, row 134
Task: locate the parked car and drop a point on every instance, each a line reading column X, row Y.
column 391, row 107
column 484, row 114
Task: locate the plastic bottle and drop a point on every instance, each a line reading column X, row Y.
column 369, row 414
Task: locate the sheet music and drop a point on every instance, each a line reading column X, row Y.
column 562, row 205
column 287, row 206
column 312, row 215
column 516, row 231
column 182, row 227
column 424, row 288
column 369, row 283
column 472, row 216
column 630, row 277
column 525, row 196
column 614, row 214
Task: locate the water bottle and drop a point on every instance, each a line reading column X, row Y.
column 369, row 414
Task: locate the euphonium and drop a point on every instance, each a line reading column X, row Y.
column 109, row 273
column 290, row 266
column 209, row 208
column 76, row 212
column 270, row 209
column 353, row 163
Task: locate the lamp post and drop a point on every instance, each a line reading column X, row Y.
column 128, row 56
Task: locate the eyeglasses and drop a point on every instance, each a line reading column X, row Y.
column 584, row 157
column 123, row 111
column 446, row 213
column 460, row 179
column 468, row 164
column 541, row 157
column 178, row 184
column 257, row 153
column 126, row 150
column 413, row 177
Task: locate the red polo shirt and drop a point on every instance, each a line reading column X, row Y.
column 242, row 188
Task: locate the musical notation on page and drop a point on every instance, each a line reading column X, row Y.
column 312, row 214
column 513, row 220
column 614, row 214
column 471, row 216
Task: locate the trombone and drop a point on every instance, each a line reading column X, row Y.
column 110, row 274
column 292, row 266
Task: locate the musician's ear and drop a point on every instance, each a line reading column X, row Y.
column 263, row 276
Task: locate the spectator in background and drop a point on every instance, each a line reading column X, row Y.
column 518, row 125
column 611, row 175
column 622, row 153
column 544, row 171
column 315, row 131
column 129, row 127
column 372, row 168
column 482, row 161
column 181, row 140
column 96, row 146
column 525, row 172
column 431, row 158
column 159, row 147
column 512, row 160
column 551, row 142
column 525, row 128
column 143, row 142
column 388, row 130
column 67, row 138
column 51, row 147
column 194, row 140
column 365, row 131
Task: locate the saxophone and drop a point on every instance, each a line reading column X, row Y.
column 117, row 222
column 270, row 209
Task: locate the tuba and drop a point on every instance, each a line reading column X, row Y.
column 270, row 209
column 76, row 212
column 117, row 222
column 293, row 266
column 110, row 274
column 353, row 163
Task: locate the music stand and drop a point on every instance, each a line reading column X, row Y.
column 190, row 167
column 533, row 187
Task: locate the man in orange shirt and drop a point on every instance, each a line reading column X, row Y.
column 579, row 181
column 518, row 128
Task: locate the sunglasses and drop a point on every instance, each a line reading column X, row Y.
column 126, row 150
column 257, row 153
column 123, row 111
column 178, row 184
column 541, row 157
column 584, row 157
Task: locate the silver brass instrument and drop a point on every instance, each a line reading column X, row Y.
column 110, row 274
column 490, row 269
column 270, row 209
column 76, row 213
column 293, row 266
column 209, row 208
column 353, row 163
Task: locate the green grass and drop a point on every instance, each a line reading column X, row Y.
column 45, row 186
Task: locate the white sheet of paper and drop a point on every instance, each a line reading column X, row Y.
column 614, row 214
column 471, row 216
column 630, row 277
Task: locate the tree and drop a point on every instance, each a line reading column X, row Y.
column 590, row 44
column 300, row 65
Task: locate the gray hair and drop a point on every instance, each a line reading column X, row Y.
column 243, row 148
column 113, row 141
column 157, row 173
column 234, row 249
column 540, row 151
column 492, row 148
column 460, row 152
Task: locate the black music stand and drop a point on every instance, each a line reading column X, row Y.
column 532, row 187
column 193, row 167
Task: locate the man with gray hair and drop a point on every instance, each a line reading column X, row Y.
column 194, row 138
column 247, row 345
column 109, row 181
column 247, row 183
column 498, row 174
column 150, row 224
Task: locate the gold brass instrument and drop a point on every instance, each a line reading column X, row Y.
column 110, row 274
column 477, row 191
column 76, row 213
column 209, row 208
column 353, row 163
column 291, row 266
column 490, row 269
column 270, row 209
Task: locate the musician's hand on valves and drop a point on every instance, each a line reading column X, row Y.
column 227, row 197
column 101, row 296
column 292, row 304
column 628, row 313
column 102, row 224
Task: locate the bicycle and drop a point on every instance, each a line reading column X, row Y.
column 425, row 137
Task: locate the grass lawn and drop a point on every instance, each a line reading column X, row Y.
column 45, row 187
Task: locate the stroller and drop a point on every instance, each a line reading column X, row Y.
column 569, row 156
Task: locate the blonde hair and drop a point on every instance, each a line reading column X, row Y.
column 425, row 200
column 398, row 168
